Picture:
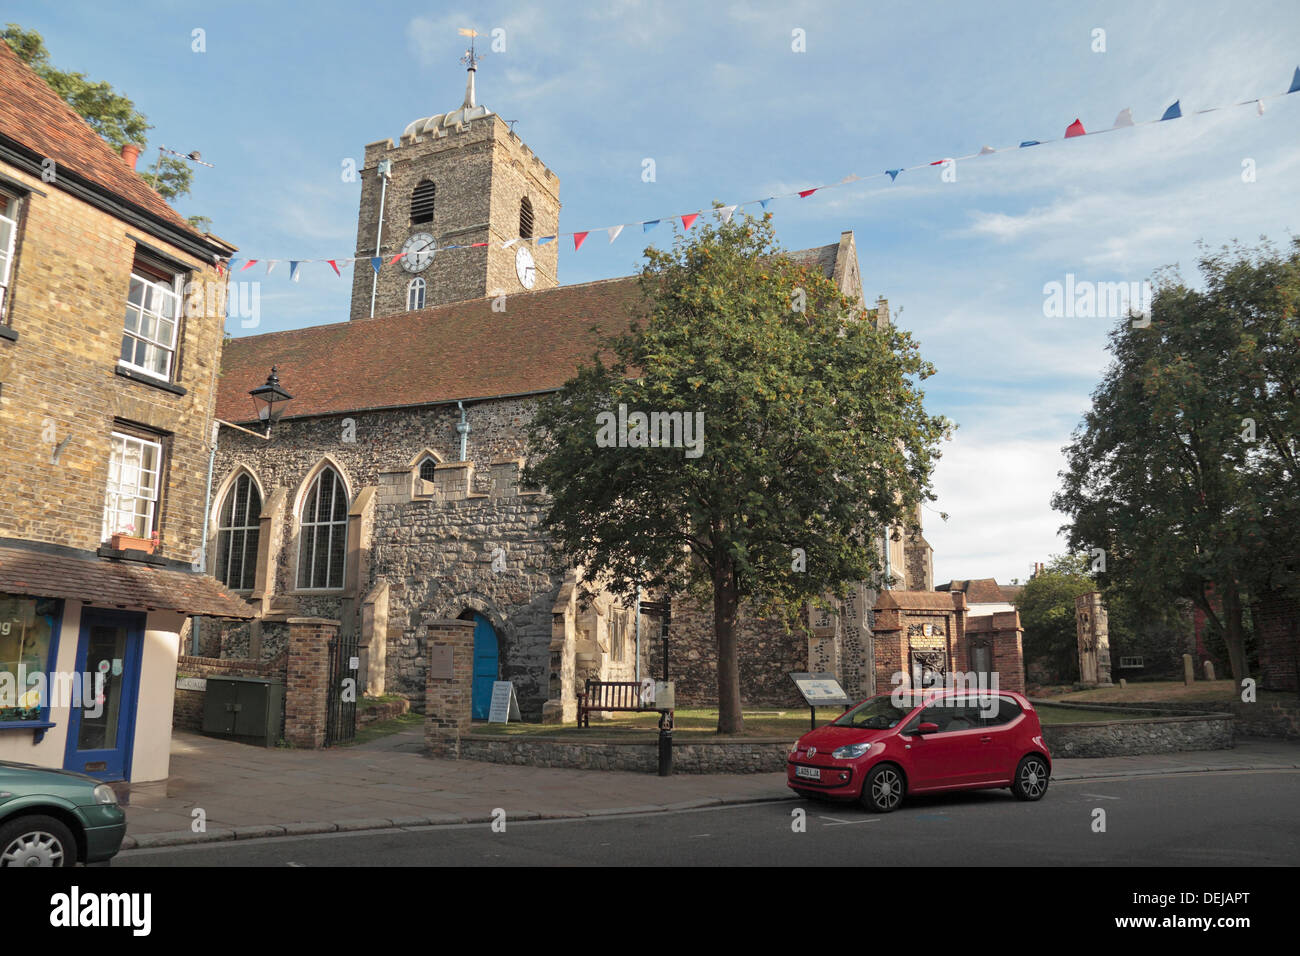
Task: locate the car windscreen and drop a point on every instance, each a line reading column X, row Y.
column 879, row 713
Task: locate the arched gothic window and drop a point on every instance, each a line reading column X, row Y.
column 525, row 219
column 415, row 294
column 238, row 530
column 323, row 543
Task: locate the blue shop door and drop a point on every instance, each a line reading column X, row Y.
column 101, row 731
column 485, row 666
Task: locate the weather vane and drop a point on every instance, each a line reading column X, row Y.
column 470, row 57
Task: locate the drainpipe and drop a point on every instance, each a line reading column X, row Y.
column 385, row 170
column 203, row 539
column 462, row 428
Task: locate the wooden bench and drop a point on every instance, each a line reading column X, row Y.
column 609, row 695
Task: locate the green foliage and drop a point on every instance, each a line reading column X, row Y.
column 171, row 177
column 1046, row 606
column 814, row 436
column 109, row 113
column 1164, row 473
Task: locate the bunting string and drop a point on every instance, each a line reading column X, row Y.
column 1074, row 130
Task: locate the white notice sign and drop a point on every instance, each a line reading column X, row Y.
column 505, row 706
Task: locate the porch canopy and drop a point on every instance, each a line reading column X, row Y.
column 121, row 584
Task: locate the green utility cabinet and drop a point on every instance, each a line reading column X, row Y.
column 244, row 708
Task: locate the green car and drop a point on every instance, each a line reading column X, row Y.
column 56, row 817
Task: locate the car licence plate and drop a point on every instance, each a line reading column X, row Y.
column 808, row 773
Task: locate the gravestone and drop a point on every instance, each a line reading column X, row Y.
column 1189, row 670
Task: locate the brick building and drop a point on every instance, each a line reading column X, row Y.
column 389, row 492
column 105, row 427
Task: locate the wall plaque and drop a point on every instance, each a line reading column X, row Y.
column 440, row 663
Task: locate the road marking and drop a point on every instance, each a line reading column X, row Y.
column 843, row 823
column 1101, row 796
column 696, row 835
column 300, row 865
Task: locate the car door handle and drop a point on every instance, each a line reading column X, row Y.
column 985, row 739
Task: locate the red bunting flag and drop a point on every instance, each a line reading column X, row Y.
column 475, row 245
column 805, row 193
column 396, row 257
column 249, row 264
column 689, row 220
column 1075, row 129
column 335, row 266
column 939, row 162
column 578, row 239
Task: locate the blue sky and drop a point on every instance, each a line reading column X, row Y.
column 714, row 93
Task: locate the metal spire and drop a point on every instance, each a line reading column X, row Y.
column 471, row 59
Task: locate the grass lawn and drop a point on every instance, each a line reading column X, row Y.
column 1169, row 691
column 687, row 722
column 1048, row 715
column 702, row 723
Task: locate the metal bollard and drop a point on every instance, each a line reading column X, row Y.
column 666, row 743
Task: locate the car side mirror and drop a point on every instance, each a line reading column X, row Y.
column 928, row 728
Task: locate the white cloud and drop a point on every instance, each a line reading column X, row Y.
column 996, row 494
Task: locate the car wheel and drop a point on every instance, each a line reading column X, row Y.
column 36, row 841
column 1031, row 778
column 883, row 789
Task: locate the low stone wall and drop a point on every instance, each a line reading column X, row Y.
column 1260, row 719
column 1126, row 738
column 383, row 710
column 757, row 755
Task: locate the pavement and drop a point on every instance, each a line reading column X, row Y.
column 247, row 792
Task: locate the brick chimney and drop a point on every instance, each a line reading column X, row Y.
column 130, row 153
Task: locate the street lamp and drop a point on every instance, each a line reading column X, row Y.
column 266, row 397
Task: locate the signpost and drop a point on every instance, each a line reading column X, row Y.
column 820, row 690
column 663, row 609
column 505, row 706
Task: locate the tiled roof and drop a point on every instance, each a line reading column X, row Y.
column 33, row 115
column 462, row 350
column 458, row 351
column 981, row 590
column 823, row 257
column 108, row 583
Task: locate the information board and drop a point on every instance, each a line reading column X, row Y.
column 505, row 706
column 820, row 690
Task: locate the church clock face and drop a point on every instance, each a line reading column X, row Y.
column 524, row 267
column 417, row 252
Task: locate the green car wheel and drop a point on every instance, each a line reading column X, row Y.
column 36, row 840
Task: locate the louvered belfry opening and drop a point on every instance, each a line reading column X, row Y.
column 422, row 202
column 525, row 219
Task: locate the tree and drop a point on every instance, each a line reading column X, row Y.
column 1184, row 469
column 813, row 438
column 1046, row 606
column 107, row 112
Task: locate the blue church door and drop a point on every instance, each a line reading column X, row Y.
column 485, row 665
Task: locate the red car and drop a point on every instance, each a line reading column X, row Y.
column 928, row 742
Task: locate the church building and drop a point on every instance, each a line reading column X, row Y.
column 390, row 491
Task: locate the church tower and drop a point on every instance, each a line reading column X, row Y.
column 454, row 179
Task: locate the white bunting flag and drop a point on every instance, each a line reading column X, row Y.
column 613, row 232
column 727, row 212
column 271, row 264
column 1125, row 118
